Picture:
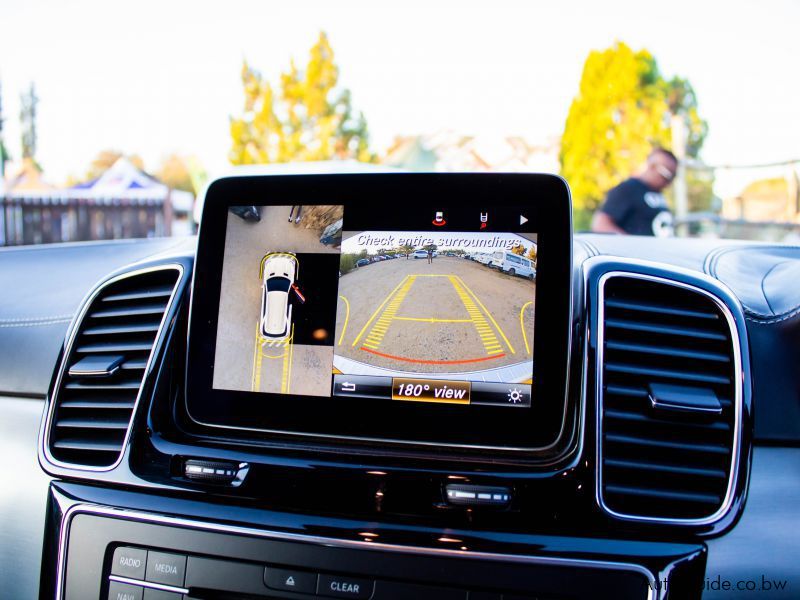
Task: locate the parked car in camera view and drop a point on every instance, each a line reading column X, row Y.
column 280, row 272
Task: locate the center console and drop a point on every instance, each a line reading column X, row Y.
column 379, row 387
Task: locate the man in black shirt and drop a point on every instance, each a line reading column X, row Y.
column 636, row 205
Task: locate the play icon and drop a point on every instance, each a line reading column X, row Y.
column 523, row 219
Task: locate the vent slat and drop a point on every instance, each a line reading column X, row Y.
column 653, row 373
column 83, row 444
column 91, row 415
column 648, row 418
column 135, row 346
column 641, row 441
column 665, row 468
column 150, row 294
column 115, row 313
column 123, row 329
column 660, row 309
column 98, row 404
column 134, row 364
column 627, row 391
column 103, row 385
column 664, row 329
column 79, row 423
column 667, row 494
column 660, row 461
column 667, row 351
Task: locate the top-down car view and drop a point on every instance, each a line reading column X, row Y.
column 276, row 309
column 441, row 301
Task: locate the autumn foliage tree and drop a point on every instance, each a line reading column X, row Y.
column 174, row 172
column 105, row 159
column 623, row 108
column 307, row 117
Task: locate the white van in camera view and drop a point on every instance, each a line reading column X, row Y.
column 513, row 264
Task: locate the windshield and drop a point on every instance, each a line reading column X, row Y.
column 278, row 284
column 661, row 118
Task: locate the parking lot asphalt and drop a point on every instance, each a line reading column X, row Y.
column 451, row 316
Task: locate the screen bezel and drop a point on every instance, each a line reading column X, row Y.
column 546, row 203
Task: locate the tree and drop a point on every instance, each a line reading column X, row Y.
column 4, row 155
column 309, row 118
column 532, row 253
column 406, row 249
column 622, row 110
column 175, row 173
column 519, row 250
column 105, row 160
column 27, row 116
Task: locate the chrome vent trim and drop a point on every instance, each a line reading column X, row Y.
column 149, row 315
column 604, row 269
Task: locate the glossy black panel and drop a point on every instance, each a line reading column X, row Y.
column 398, row 203
column 578, row 567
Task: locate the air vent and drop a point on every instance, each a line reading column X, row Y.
column 105, row 367
column 667, row 403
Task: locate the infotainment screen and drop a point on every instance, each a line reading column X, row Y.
column 368, row 314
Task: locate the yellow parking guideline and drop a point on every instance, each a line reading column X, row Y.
column 375, row 336
column 346, row 318
column 431, row 320
column 490, row 342
column 488, row 314
column 255, row 381
column 286, row 375
column 377, row 310
column 522, row 326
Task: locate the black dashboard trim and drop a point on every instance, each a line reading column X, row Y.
column 93, row 509
column 556, row 450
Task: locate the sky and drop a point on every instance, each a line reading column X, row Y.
column 155, row 78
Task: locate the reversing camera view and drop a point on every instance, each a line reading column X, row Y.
column 443, row 318
column 277, row 300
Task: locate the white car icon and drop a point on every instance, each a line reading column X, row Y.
column 280, row 272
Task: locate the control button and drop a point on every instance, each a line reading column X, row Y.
column 338, row 586
column 392, row 590
column 124, row 591
column 292, row 581
column 232, row 577
column 215, row 471
column 477, row 495
column 151, row 594
column 501, row 394
column 165, row 568
column 362, row 386
column 523, row 219
column 129, row 562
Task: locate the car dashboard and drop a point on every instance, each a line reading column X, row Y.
column 642, row 498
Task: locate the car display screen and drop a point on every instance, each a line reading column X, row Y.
column 310, row 308
column 372, row 316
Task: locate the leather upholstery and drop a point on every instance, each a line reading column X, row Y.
column 42, row 288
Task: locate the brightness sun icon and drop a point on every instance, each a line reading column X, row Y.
column 514, row 395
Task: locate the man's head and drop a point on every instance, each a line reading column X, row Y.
column 660, row 170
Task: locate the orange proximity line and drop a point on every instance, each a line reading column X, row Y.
column 433, row 362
